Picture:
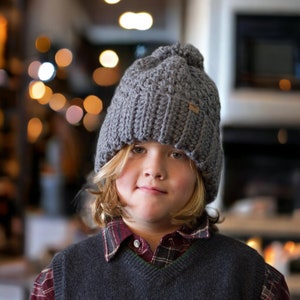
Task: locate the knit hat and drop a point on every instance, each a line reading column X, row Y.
column 167, row 97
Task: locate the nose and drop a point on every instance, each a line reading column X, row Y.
column 155, row 167
column 155, row 174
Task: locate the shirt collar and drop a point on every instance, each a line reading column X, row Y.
column 116, row 232
column 198, row 232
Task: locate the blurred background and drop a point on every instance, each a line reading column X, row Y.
column 60, row 62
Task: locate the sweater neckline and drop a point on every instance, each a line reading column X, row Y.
column 153, row 273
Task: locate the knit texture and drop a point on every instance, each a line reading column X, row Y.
column 167, row 97
column 215, row 268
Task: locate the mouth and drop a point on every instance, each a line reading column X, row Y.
column 151, row 189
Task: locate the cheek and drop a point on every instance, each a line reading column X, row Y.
column 125, row 182
column 185, row 183
column 121, row 184
column 190, row 186
column 121, row 189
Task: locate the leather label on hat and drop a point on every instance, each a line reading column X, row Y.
column 194, row 108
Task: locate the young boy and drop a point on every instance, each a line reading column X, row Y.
column 158, row 163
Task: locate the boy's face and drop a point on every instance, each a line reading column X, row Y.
column 157, row 180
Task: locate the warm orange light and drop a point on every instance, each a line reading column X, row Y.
column 106, row 76
column 46, row 97
column 3, row 37
column 42, row 43
column 255, row 243
column 36, row 89
column 93, row 105
column 290, row 247
column 90, row 122
column 57, row 101
column 34, row 129
column 269, row 255
column 285, row 84
column 63, row 57
column 3, row 26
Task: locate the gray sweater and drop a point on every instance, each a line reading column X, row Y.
column 214, row 268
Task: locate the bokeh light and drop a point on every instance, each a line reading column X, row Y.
column 106, row 76
column 46, row 71
column 46, row 97
column 33, row 69
column 90, row 122
column 93, row 104
column 57, row 101
column 63, row 57
column 285, row 84
column 139, row 21
column 34, row 129
column 127, row 20
column 112, row 1
column 74, row 114
column 108, row 58
column 37, row 89
column 42, row 43
column 3, row 37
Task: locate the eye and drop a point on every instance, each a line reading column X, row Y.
column 138, row 149
column 178, row 155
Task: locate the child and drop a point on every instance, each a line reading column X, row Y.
column 158, row 164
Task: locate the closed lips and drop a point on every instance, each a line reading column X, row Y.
column 151, row 189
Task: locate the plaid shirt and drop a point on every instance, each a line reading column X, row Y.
column 171, row 247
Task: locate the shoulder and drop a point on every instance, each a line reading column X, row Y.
column 228, row 245
column 224, row 251
column 77, row 261
column 87, row 248
column 275, row 286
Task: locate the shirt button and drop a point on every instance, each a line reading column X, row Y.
column 136, row 243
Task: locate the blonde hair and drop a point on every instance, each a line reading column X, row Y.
column 107, row 204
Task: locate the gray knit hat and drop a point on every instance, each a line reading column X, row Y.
column 167, row 97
